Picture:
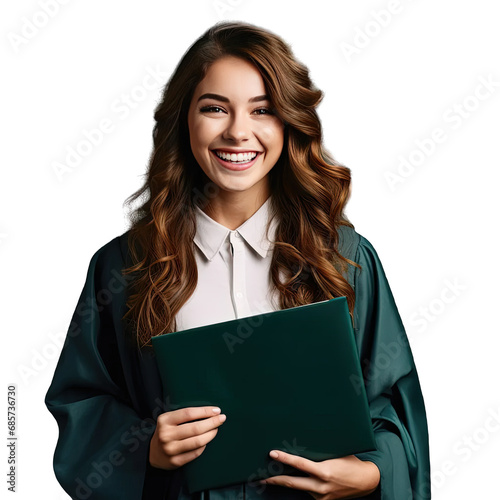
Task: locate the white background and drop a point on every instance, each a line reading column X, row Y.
column 409, row 72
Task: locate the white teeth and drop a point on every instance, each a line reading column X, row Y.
column 236, row 157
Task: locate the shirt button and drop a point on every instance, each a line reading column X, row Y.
column 239, row 295
column 237, row 234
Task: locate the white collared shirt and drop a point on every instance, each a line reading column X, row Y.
column 233, row 271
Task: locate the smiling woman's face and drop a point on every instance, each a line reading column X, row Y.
column 230, row 114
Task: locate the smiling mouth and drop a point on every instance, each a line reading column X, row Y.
column 236, row 158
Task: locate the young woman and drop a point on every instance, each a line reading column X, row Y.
column 243, row 212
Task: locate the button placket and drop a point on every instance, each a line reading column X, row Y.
column 239, row 283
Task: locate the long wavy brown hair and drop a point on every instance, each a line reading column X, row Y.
column 309, row 188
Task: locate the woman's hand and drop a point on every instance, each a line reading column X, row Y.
column 346, row 477
column 172, row 444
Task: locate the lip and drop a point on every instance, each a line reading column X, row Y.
column 236, row 151
column 232, row 166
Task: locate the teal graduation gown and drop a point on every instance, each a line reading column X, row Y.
column 106, row 395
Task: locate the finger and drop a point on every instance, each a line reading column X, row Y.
column 177, row 447
column 185, row 431
column 184, row 458
column 310, row 484
column 179, row 432
column 296, row 461
column 176, row 417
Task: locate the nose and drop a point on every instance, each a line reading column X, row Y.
column 238, row 127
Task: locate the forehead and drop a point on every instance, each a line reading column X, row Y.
column 232, row 77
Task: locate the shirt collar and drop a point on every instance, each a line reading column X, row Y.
column 210, row 235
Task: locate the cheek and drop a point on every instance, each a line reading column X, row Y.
column 201, row 133
column 272, row 137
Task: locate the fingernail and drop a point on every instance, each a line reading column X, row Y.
column 216, row 410
column 222, row 418
column 274, row 454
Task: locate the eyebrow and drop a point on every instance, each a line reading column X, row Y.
column 258, row 98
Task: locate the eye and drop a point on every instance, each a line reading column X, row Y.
column 208, row 109
column 267, row 111
column 218, row 109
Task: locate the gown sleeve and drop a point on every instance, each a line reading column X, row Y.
column 102, row 450
column 392, row 385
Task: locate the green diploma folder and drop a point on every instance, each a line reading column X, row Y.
column 287, row 380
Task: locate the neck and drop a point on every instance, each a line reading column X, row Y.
column 232, row 211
